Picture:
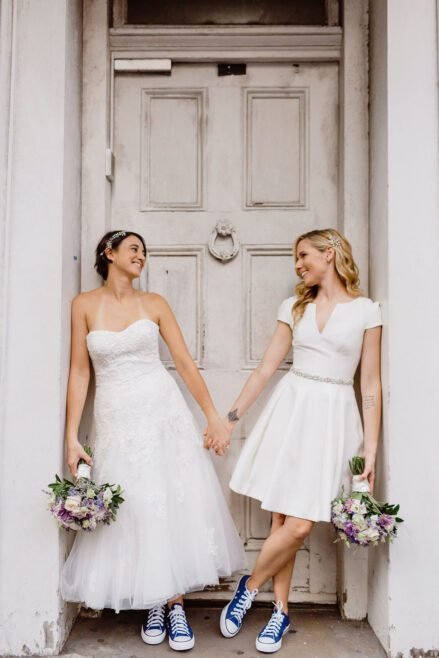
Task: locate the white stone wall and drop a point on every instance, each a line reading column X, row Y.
column 41, row 229
column 378, row 558
column 404, row 266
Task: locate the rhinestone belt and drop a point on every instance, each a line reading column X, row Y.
column 319, row 378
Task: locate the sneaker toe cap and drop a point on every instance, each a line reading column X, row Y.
column 153, row 632
column 231, row 626
column 265, row 640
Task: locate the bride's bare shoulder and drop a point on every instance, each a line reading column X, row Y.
column 153, row 303
column 152, row 298
column 84, row 299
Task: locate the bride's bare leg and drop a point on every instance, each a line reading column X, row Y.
column 178, row 599
column 282, row 584
column 279, row 549
column 282, row 579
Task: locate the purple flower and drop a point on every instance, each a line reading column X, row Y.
column 351, row 530
column 386, row 521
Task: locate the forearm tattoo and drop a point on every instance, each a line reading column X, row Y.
column 232, row 416
column 369, row 401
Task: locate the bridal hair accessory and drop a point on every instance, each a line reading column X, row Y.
column 334, row 241
column 110, row 241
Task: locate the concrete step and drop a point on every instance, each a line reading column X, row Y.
column 316, row 633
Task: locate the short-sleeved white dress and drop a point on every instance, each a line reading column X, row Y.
column 296, row 457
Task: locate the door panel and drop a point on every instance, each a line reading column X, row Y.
column 172, row 150
column 259, row 151
column 276, row 148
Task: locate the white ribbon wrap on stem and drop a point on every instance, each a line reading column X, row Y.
column 84, row 471
column 359, row 485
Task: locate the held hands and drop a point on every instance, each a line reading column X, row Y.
column 217, row 435
column 75, row 452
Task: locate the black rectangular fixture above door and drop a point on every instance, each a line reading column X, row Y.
column 232, row 69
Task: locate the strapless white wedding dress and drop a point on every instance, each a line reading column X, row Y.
column 174, row 533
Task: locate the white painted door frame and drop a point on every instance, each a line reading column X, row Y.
column 294, row 44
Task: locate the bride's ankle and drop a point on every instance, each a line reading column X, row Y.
column 251, row 585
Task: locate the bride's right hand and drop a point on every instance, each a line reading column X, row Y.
column 75, row 452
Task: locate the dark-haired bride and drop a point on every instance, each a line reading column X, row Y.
column 174, row 533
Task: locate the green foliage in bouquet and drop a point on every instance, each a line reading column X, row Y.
column 89, row 451
column 357, row 465
column 61, row 487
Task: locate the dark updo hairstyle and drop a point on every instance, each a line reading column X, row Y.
column 111, row 240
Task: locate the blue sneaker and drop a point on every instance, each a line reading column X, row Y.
column 154, row 627
column 180, row 633
column 233, row 614
column 269, row 639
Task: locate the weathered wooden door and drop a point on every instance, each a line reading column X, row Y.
column 257, row 152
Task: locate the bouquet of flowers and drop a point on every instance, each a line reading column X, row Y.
column 83, row 504
column 360, row 519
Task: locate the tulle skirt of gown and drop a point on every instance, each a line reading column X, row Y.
column 174, row 533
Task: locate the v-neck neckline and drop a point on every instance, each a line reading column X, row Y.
column 330, row 315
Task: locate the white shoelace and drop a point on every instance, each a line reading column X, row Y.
column 156, row 617
column 243, row 604
column 178, row 621
column 274, row 625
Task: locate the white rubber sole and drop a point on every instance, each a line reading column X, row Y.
column 182, row 646
column 224, row 630
column 152, row 639
column 271, row 648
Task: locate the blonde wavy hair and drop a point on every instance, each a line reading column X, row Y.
column 344, row 264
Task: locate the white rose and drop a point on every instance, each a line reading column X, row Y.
column 108, row 495
column 359, row 521
column 370, row 534
column 355, row 506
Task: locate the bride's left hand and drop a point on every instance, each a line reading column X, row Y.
column 216, row 436
column 369, row 471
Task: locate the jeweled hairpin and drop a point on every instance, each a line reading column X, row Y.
column 110, row 241
column 334, row 242
column 114, row 237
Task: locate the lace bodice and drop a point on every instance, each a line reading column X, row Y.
column 136, row 400
column 121, row 356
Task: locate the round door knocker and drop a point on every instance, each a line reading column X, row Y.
column 224, row 230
